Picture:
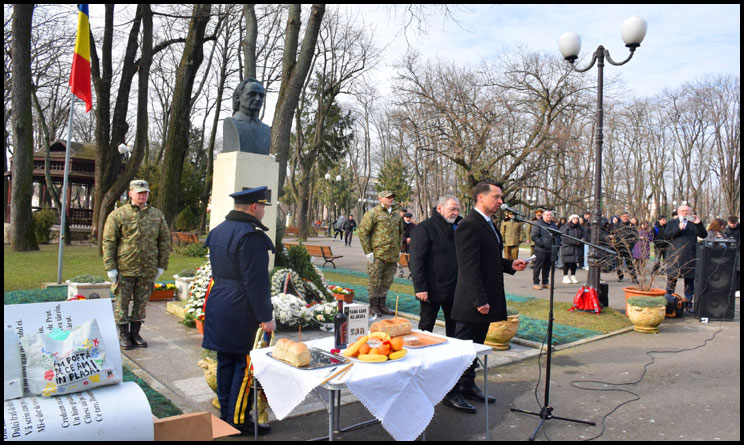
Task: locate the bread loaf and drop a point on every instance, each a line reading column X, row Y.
column 296, row 354
column 393, row 327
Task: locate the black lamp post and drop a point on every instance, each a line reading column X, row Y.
column 633, row 31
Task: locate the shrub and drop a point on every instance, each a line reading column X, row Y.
column 187, row 273
column 647, row 301
column 91, row 279
column 43, row 221
column 194, row 250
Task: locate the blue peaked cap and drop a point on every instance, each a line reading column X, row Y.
column 260, row 195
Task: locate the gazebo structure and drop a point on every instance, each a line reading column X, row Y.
column 80, row 182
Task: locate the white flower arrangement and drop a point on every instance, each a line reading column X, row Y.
column 324, row 313
column 290, row 311
column 195, row 304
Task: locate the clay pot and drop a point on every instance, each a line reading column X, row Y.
column 635, row 292
column 500, row 333
column 646, row 319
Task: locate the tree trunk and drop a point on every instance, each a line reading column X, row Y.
column 177, row 140
column 294, row 72
column 249, row 42
column 23, row 237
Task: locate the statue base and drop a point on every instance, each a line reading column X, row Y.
column 235, row 171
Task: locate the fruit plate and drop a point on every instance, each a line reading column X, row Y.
column 354, row 359
column 318, row 359
column 423, row 340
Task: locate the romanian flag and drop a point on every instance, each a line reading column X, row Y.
column 80, row 75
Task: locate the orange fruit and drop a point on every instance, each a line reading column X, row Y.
column 384, row 349
column 373, row 351
column 396, row 343
column 364, row 349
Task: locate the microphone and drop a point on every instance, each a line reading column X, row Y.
column 506, row 207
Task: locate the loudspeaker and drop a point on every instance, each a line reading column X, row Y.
column 714, row 280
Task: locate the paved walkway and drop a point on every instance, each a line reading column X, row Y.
column 690, row 395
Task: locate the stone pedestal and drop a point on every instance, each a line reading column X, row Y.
column 236, row 171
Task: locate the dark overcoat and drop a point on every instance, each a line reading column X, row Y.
column 481, row 267
column 571, row 251
column 240, row 298
column 682, row 247
column 433, row 260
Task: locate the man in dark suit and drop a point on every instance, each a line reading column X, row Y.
column 433, row 264
column 479, row 296
column 240, row 301
column 682, row 234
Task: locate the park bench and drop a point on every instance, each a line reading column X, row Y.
column 178, row 238
column 319, row 252
column 403, row 263
column 292, row 231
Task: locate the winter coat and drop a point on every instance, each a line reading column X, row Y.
column 571, row 251
column 481, row 268
column 642, row 248
column 682, row 247
column 542, row 238
column 433, row 259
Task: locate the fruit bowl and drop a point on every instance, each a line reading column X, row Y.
column 376, row 347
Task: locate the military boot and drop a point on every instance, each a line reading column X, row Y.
column 124, row 339
column 134, row 334
column 382, row 308
column 373, row 310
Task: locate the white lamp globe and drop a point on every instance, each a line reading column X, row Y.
column 570, row 45
column 633, row 31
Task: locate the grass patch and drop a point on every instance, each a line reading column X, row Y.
column 27, row 270
column 606, row 321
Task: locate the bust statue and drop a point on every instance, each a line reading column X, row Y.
column 244, row 131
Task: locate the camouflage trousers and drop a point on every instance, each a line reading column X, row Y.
column 131, row 289
column 381, row 274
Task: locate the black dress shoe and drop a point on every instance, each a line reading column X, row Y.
column 457, row 402
column 476, row 394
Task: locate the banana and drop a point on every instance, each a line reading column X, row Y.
column 398, row 354
column 354, row 349
column 380, row 335
column 372, row 357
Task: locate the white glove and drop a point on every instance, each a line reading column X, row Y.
column 160, row 272
column 371, row 257
column 112, row 274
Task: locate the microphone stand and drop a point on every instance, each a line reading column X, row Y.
column 546, row 413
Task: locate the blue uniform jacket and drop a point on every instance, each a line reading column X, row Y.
column 240, row 298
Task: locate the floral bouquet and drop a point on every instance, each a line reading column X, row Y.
column 341, row 290
column 323, row 312
column 164, row 286
column 195, row 304
column 291, row 311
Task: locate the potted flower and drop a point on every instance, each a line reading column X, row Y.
column 646, row 313
column 89, row 287
column 162, row 291
column 197, row 296
column 500, row 333
column 342, row 293
column 184, row 280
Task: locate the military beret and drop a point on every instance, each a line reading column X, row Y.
column 259, row 195
column 139, row 185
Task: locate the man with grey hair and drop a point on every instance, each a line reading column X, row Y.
column 433, row 264
column 244, row 131
column 682, row 234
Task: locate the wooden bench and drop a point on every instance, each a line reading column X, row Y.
column 403, row 263
column 292, row 231
column 178, row 238
column 318, row 252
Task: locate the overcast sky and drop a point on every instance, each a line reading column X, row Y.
column 683, row 42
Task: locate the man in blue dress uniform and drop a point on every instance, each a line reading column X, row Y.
column 240, row 301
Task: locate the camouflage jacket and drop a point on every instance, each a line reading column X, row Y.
column 136, row 242
column 381, row 232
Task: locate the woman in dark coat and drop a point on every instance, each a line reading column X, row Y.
column 571, row 251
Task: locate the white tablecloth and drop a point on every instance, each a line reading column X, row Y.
column 401, row 394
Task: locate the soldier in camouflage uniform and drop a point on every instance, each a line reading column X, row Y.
column 136, row 245
column 380, row 234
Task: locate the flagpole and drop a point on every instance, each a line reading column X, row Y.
column 63, row 210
